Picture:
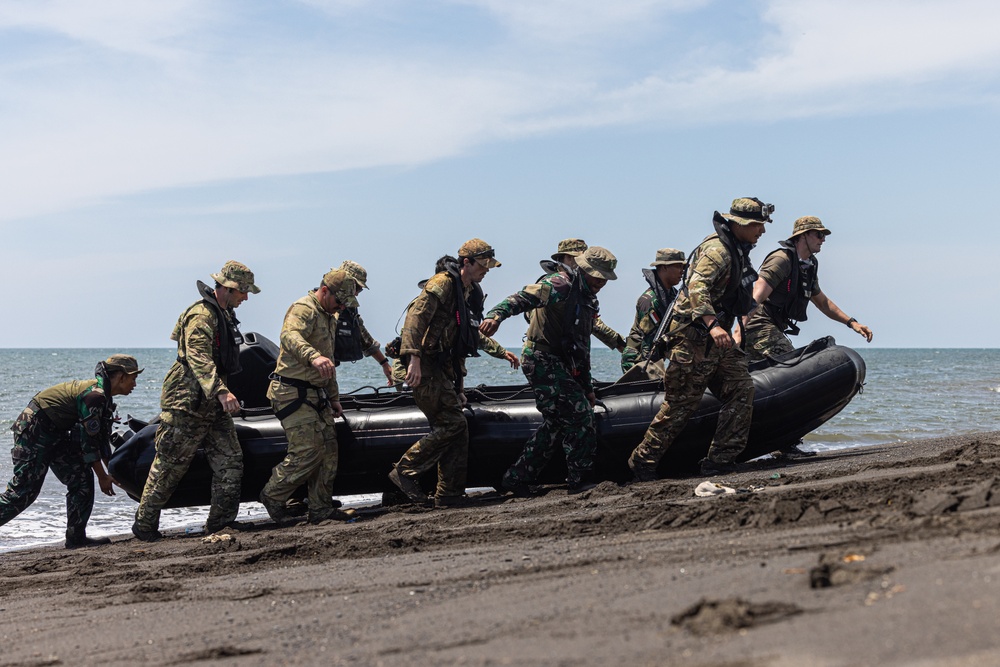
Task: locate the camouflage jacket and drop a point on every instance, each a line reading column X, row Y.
column 307, row 333
column 649, row 309
column 491, row 347
column 430, row 328
column 602, row 331
column 195, row 379
column 708, row 275
column 548, row 298
column 79, row 405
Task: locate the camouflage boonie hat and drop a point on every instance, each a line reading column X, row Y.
column 598, row 262
column 571, row 247
column 667, row 256
column 123, row 363
column 343, row 287
column 747, row 210
column 807, row 224
column 355, row 271
column 479, row 249
column 236, row 276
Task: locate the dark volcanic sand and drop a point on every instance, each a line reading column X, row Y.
column 878, row 556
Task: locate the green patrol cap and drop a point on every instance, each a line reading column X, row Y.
column 667, row 256
column 598, row 262
column 571, row 247
column 123, row 363
column 807, row 224
column 236, row 276
column 747, row 210
column 342, row 286
column 357, row 272
column 479, row 249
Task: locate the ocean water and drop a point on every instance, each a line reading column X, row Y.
column 909, row 394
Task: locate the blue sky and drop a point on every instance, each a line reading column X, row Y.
column 146, row 143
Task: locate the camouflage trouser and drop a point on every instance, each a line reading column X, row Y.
column 688, row 374
column 177, row 439
column 447, row 445
column 764, row 340
column 398, row 373
column 32, row 461
column 629, row 358
column 568, row 421
column 311, row 458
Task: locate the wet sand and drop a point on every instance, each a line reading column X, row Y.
column 884, row 555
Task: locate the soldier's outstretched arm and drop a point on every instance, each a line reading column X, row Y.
column 831, row 310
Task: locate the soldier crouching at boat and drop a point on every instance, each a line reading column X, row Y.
column 67, row 428
column 306, row 398
column 556, row 363
column 440, row 331
column 197, row 406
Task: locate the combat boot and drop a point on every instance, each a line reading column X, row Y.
column 641, row 471
column 331, row 513
column 574, row 488
column 277, row 511
column 710, row 468
column 446, row 502
column 146, row 535
column 521, row 489
column 409, row 486
column 78, row 540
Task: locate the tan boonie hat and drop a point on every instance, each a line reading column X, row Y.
column 667, row 256
column 236, row 276
column 343, row 287
column 747, row 210
column 479, row 249
column 807, row 224
column 598, row 262
column 571, row 247
column 357, row 272
column 123, row 363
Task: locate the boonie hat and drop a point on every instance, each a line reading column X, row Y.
column 236, row 276
column 342, row 286
column 479, row 249
column 747, row 210
column 571, row 247
column 598, row 262
column 667, row 256
column 357, row 272
column 123, row 363
column 807, row 224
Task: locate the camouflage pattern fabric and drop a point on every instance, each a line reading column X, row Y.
column 447, row 445
column 193, row 384
column 32, row 461
column 486, row 344
column 648, row 311
column 307, row 333
column 608, row 336
column 688, row 374
column 311, row 458
column 707, row 277
column 765, row 340
column 568, row 421
column 430, row 327
column 177, row 439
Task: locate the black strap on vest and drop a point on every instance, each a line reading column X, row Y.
column 301, row 400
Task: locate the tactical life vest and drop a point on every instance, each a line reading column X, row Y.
column 787, row 305
column 468, row 314
column 566, row 326
column 737, row 299
column 228, row 339
column 347, row 341
column 664, row 297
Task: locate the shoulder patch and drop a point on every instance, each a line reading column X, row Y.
column 439, row 286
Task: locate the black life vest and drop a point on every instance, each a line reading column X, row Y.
column 664, row 296
column 737, row 299
column 468, row 314
column 228, row 339
column 788, row 303
column 347, row 342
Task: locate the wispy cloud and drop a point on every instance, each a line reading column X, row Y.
column 106, row 98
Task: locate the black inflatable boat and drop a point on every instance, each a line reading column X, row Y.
column 794, row 395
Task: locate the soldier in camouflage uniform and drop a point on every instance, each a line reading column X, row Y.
column 788, row 282
column 196, row 405
column 556, row 362
column 67, row 428
column 566, row 253
column 305, row 397
column 440, row 331
column 652, row 305
column 354, row 342
column 700, row 347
